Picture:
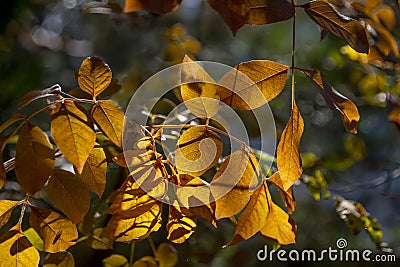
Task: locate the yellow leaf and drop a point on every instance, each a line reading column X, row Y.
column 110, row 119
column 278, row 225
column 239, row 12
column 371, row 4
column 72, row 130
column 6, row 208
column 287, row 195
column 68, row 194
column 387, row 16
column 166, row 255
column 17, row 251
column 288, row 155
column 34, row 95
column 254, row 217
column 59, row 259
column 234, row 183
column 97, row 241
column 94, row 76
column 346, row 107
column 115, row 260
column 146, row 261
column 198, row 150
column 158, row 7
column 124, row 229
column 343, row 27
column 252, row 84
column 93, row 175
column 57, row 232
column 181, row 224
column 198, row 89
column 34, row 238
column 34, row 159
column 133, row 158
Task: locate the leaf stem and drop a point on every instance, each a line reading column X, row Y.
column 294, row 3
column 132, row 253
column 153, row 247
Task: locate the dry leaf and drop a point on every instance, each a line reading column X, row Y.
column 59, row 259
column 158, row 7
column 181, row 224
column 14, row 118
column 34, row 95
column 94, row 76
column 287, row 195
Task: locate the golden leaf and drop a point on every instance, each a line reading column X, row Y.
column 6, row 208
column 110, row 119
column 59, row 259
column 252, row 84
column 158, row 7
column 181, row 224
column 372, row 3
column 288, row 155
column 133, row 158
column 239, row 12
column 254, row 217
column 343, row 27
column 68, row 194
column 234, row 183
column 97, row 241
column 34, row 95
column 346, row 107
column 115, row 260
column 34, row 159
column 287, row 195
column 57, row 232
column 166, row 255
column 198, row 150
column 94, row 76
column 93, row 175
column 72, row 130
column 17, row 251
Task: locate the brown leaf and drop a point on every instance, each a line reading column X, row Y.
column 110, row 119
column 236, row 13
column 254, row 217
column 34, row 159
column 287, row 195
column 59, row 259
column 234, row 183
column 252, row 84
column 346, row 107
column 68, row 194
column 159, row 7
column 198, row 150
column 6, row 208
column 94, row 76
column 14, row 118
column 34, row 95
column 93, row 175
column 343, row 27
column 181, row 224
column 57, row 232
column 3, row 174
column 288, row 155
column 16, row 250
column 72, row 130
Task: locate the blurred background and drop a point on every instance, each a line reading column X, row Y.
column 43, row 42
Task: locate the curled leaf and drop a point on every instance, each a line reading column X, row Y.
column 34, row 95
column 287, row 195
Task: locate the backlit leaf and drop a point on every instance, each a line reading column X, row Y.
column 97, row 241
column 59, row 259
column 34, row 159
column 57, row 232
column 181, row 224
column 133, row 158
column 110, row 119
column 93, row 175
column 236, row 13
column 34, row 238
column 6, row 208
column 158, row 7
column 94, row 76
column 234, row 183
column 343, row 27
column 68, row 194
column 17, row 251
column 34, row 95
column 198, row 150
column 166, row 255
column 252, row 84
column 346, row 107
column 115, row 260
column 287, row 195
column 288, row 155
column 254, row 217
column 72, row 130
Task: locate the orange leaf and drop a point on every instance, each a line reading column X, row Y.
column 72, row 130
column 288, row 156
column 287, row 195
column 6, row 208
column 181, row 224
column 34, row 95
column 343, row 27
column 346, row 107
column 34, row 159
column 252, row 84
column 110, row 119
column 57, row 232
column 94, row 76
column 236, row 13
column 159, row 7
column 68, row 194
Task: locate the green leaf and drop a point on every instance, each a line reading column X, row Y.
column 34, row 238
